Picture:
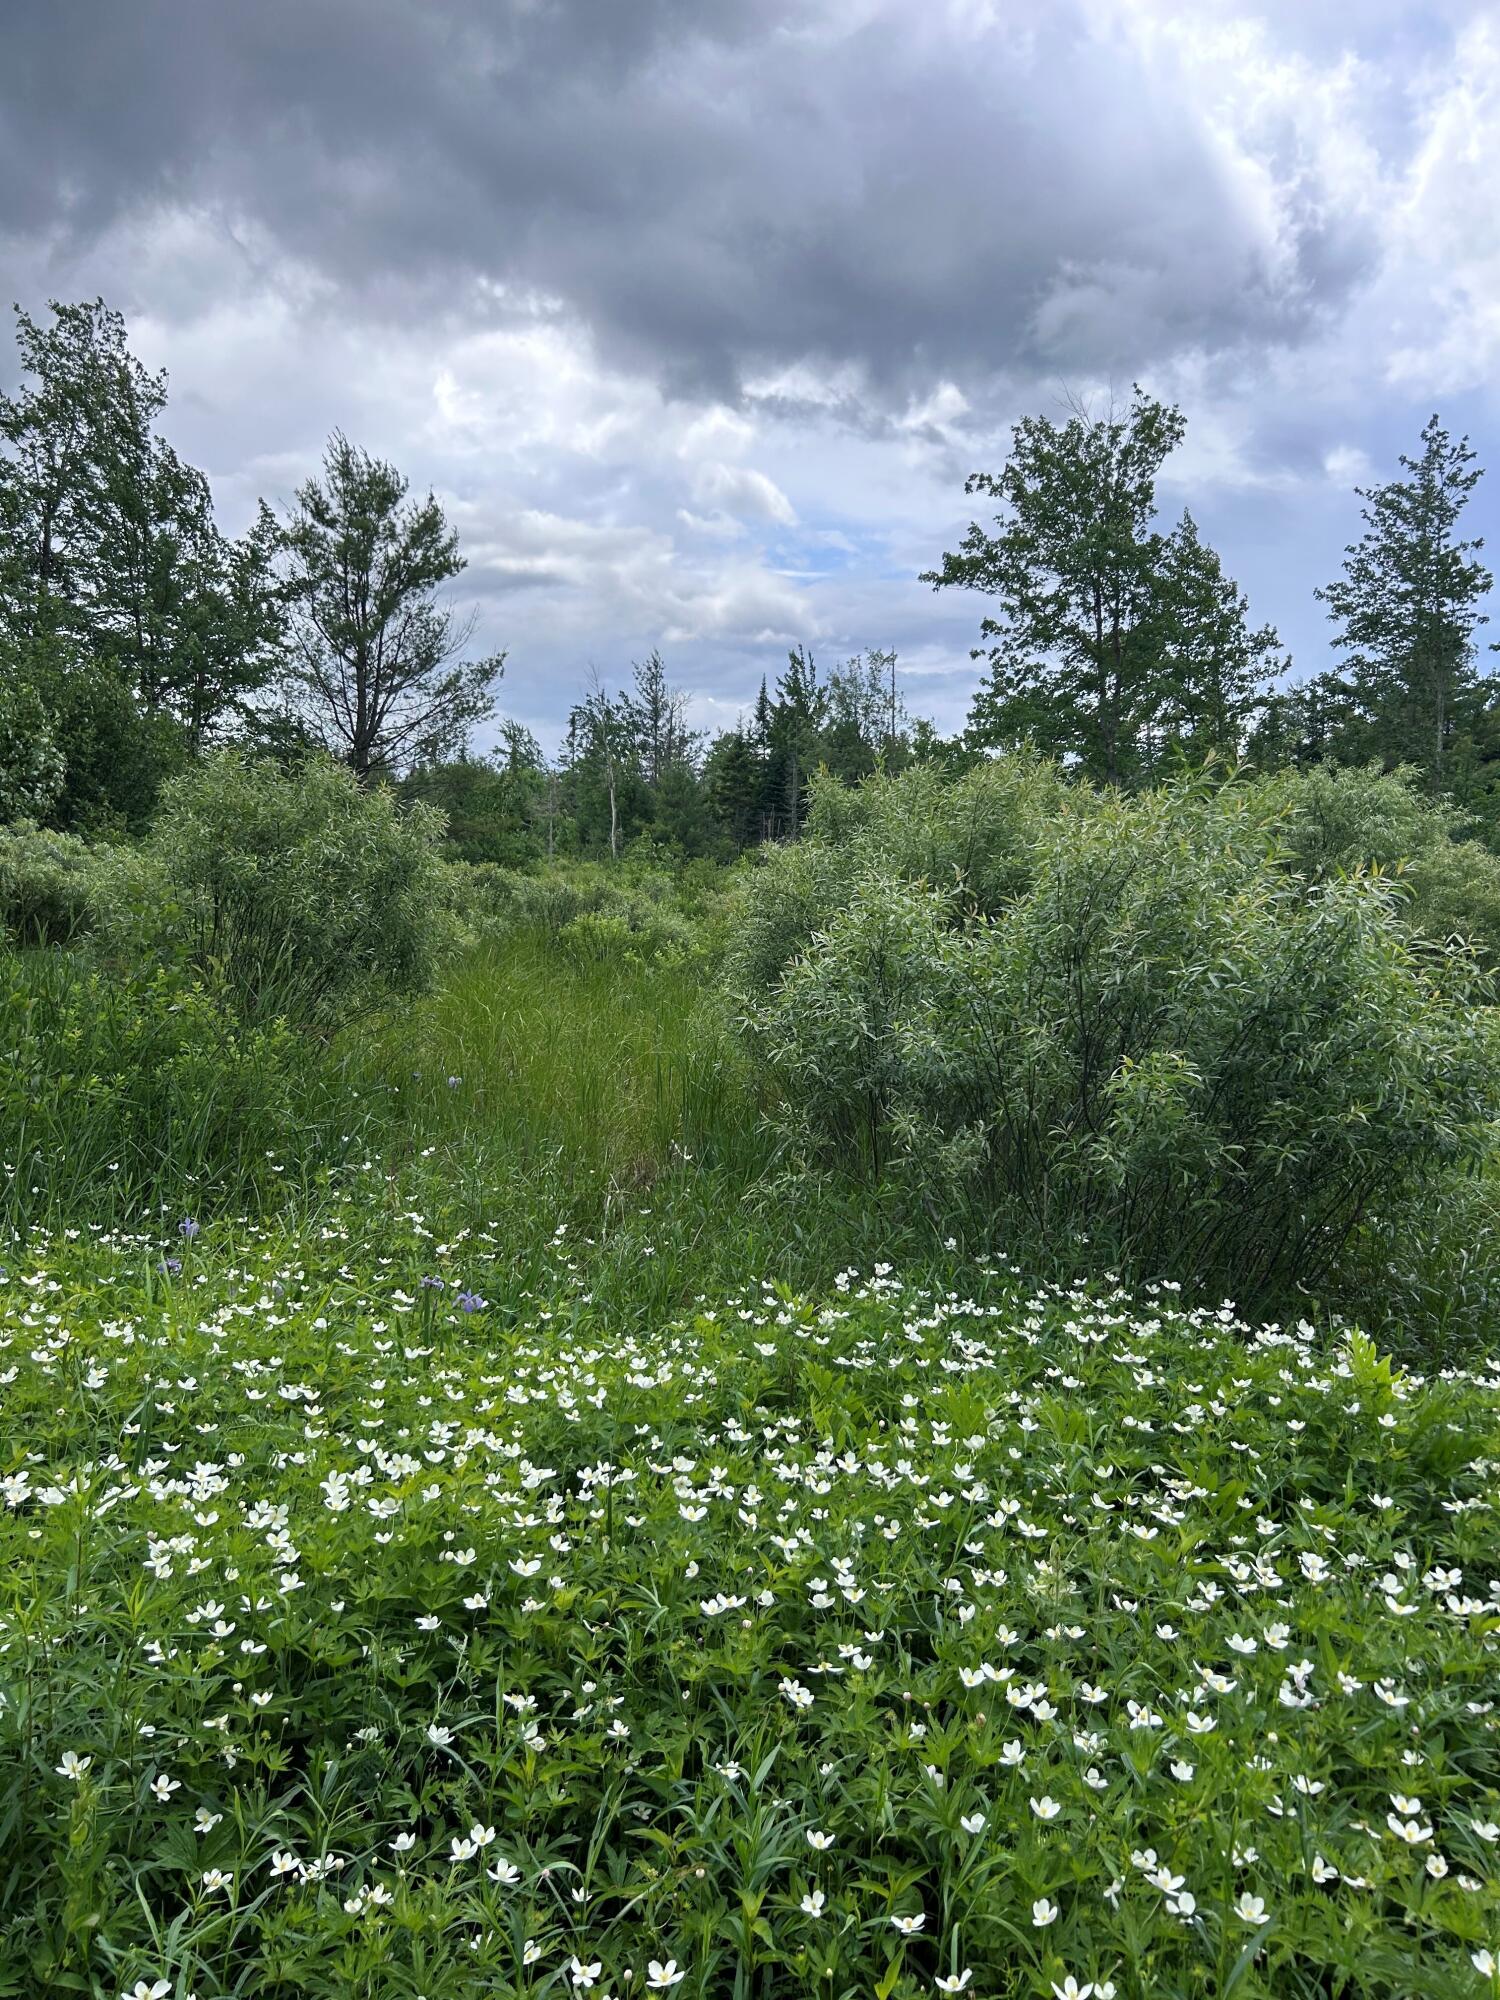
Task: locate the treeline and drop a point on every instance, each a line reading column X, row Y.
column 632, row 772
column 134, row 636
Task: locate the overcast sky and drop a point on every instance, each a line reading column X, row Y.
column 696, row 313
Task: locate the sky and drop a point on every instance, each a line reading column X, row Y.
column 697, row 313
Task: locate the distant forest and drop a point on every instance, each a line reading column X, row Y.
column 135, row 635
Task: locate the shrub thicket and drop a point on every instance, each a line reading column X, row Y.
column 1127, row 1022
column 299, row 897
column 48, row 885
column 1337, row 820
column 596, row 913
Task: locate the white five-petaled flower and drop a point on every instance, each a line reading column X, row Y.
column 1250, row 1909
column 954, row 1982
column 1043, row 1912
column 663, row 1977
column 909, row 1926
column 73, row 1766
column 583, row 1976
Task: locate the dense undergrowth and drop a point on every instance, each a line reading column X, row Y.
column 375, row 1624
column 465, row 1527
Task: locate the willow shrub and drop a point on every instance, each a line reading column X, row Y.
column 297, row 896
column 46, row 885
column 1335, row 821
column 1163, row 1042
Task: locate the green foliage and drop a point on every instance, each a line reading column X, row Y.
column 47, row 885
column 975, row 835
column 31, row 764
column 377, row 1619
column 1339, row 819
column 1160, row 1041
column 604, row 937
column 491, row 810
column 660, row 907
column 1112, row 640
column 119, row 1090
column 1407, row 608
column 374, row 649
column 300, row 896
column 116, row 756
column 110, row 557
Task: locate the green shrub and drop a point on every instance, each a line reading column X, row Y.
column 31, row 764
column 594, row 911
column 299, row 896
column 1338, row 820
column 1164, row 1041
column 47, row 885
column 609, row 937
column 119, row 1090
column 976, row 835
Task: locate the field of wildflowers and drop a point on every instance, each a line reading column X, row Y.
column 370, row 1626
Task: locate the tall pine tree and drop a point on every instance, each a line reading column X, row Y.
column 1407, row 609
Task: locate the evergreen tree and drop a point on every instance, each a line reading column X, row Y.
column 794, row 740
column 733, row 779
column 682, row 819
column 656, row 716
column 1214, row 667
column 1407, row 608
column 866, row 719
column 608, row 796
column 1301, row 726
column 489, row 803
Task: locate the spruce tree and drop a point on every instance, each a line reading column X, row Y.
column 1407, row 608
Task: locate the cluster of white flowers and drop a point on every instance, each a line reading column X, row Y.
column 1065, row 1571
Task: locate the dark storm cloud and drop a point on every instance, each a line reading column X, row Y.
column 715, row 189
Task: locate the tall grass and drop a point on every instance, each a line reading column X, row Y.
column 126, row 1093
column 564, row 1107
column 611, row 1073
